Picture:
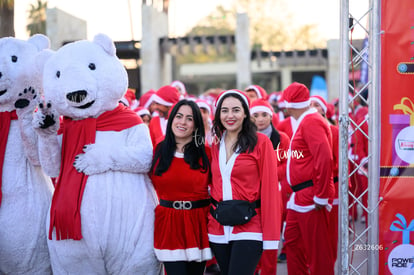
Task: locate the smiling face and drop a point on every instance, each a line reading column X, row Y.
column 232, row 114
column 262, row 120
column 183, row 125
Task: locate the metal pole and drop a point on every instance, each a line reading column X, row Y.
column 374, row 132
column 343, row 140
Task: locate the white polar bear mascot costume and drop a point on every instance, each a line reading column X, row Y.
column 25, row 191
column 102, row 211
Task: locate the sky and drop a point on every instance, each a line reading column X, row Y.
column 122, row 23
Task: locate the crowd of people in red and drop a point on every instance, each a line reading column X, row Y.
column 247, row 179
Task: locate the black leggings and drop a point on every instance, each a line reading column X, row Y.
column 184, row 268
column 238, row 257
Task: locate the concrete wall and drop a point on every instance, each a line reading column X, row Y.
column 156, row 68
column 62, row 27
column 332, row 78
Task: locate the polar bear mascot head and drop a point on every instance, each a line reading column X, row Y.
column 84, row 79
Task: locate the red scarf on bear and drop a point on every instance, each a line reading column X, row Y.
column 67, row 198
column 5, row 120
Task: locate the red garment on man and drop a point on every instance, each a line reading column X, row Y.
column 157, row 129
column 287, row 125
column 307, row 237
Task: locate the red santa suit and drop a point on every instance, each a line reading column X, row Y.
column 287, row 125
column 157, row 129
column 181, row 235
column 310, row 161
column 333, row 214
column 249, row 177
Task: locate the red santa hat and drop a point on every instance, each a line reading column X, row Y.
column 167, row 96
column 260, row 92
column 202, row 103
column 146, row 99
column 180, row 86
column 296, row 96
column 261, row 105
column 141, row 111
column 234, row 91
column 321, row 101
column 330, row 112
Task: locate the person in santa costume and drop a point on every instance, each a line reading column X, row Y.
column 164, row 99
column 244, row 218
column 181, row 88
column 144, row 113
column 262, row 113
column 257, row 92
column 146, row 101
column 320, row 104
column 309, row 173
column 180, row 174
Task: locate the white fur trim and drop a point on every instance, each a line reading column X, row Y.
column 233, row 92
column 257, row 109
column 205, row 106
column 189, row 254
column 320, row 200
column 268, row 245
column 143, row 112
column 149, row 101
column 159, row 100
column 252, row 87
column 317, row 100
column 297, row 105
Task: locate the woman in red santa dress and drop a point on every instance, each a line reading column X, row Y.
column 244, row 219
column 181, row 174
column 262, row 113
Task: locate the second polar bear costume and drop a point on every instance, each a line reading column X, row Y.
column 102, row 212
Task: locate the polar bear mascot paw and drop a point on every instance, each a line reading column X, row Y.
column 26, row 191
column 102, row 214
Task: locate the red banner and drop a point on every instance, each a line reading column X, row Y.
column 396, row 211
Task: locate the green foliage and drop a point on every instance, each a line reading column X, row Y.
column 8, row 4
column 271, row 28
column 37, row 18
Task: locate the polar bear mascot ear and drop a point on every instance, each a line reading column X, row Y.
column 106, row 43
column 41, row 59
column 40, row 41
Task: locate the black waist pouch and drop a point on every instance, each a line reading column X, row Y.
column 234, row 212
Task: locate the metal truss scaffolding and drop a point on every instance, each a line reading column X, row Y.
column 350, row 259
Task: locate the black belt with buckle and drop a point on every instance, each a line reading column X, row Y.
column 185, row 205
column 302, row 185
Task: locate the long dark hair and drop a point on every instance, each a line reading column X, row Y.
column 247, row 138
column 193, row 151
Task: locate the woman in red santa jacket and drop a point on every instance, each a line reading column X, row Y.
column 242, row 166
column 181, row 175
